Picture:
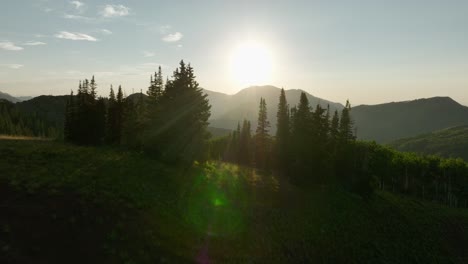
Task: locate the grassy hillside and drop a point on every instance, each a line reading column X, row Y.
column 391, row 121
column 67, row 204
column 450, row 142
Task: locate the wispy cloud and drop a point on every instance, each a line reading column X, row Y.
column 10, row 46
column 115, row 11
column 148, row 54
column 13, row 66
column 74, row 36
column 173, row 37
column 106, row 31
column 77, row 4
column 34, row 43
column 78, row 17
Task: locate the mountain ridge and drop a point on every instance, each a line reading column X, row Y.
column 450, row 142
column 407, row 118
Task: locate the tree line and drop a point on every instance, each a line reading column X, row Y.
column 15, row 122
column 170, row 122
column 316, row 146
column 311, row 146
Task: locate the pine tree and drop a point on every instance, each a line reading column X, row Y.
column 301, row 141
column 245, row 142
column 180, row 132
column 346, row 124
column 93, row 87
column 282, row 132
column 68, row 124
column 334, row 128
column 111, row 136
column 262, row 137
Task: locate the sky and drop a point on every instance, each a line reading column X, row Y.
column 367, row 51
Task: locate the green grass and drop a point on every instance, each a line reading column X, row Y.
column 111, row 206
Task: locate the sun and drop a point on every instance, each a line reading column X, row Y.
column 251, row 64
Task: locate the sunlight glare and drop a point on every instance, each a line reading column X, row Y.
column 251, row 64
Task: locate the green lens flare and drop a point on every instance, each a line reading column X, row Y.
column 215, row 202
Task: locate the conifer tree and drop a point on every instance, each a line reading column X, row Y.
column 245, row 142
column 93, row 87
column 180, row 134
column 262, row 137
column 346, row 124
column 111, row 123
column 301, row 142
column 156, row 88
column 282, row 132
column 68, row 123
column 334, row 128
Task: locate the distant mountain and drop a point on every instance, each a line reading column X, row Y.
column 383, row 123
column 14, row 99
column 387, row 122
column 9, row 97
column 227, row 110
column 24, row 98
column 449, row 142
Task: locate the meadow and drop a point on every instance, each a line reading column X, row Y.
column 63, row 203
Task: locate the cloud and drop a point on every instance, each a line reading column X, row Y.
column 179, row 46
column 74, row 36
column 148, row 54
column 77, row 4
column 13, row 66
column 115, row 11
column 106, row 31
column 173, row 37
column 34, row 43
column 77, row 17
column 10, row 46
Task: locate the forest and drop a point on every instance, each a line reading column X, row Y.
column 312, row 145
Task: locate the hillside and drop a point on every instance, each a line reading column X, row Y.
column 67, row 204
column 227, row 110
column 14, row 121
column 387, row 122
column 450, row 142
column 9, row 97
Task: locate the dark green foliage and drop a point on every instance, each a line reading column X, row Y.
column 85, row 115
column 177, row 123
column 346, row 124
column 262, row 138
column 15, row 122
column 156, row 88
column 450, row 142
column 58, row 210
column 282, row 133
column 134, row 121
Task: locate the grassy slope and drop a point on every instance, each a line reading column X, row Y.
column 449, row 142
column 73, row 204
